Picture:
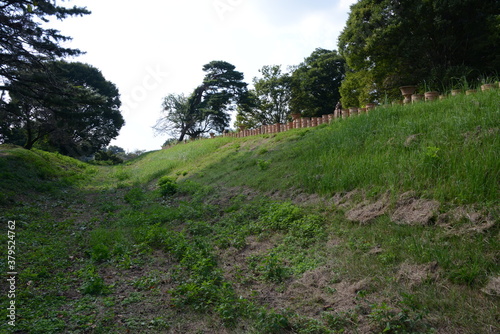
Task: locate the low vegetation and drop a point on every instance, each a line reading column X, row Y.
column 383, row 223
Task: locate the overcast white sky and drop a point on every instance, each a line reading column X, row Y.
column 149, row 49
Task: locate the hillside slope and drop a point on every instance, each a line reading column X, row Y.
column 387, row 222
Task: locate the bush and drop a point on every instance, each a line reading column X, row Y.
column 280, row 216
column 106, row 158
column 167, row 185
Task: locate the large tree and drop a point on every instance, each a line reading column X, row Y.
column 176, row 116
column 77, row 118
column 398, row 42
column 269, row 101
column 208, row 107
column 315, row 83
column 25, row 45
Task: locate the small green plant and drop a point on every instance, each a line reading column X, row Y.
column 134, row 297
column 263, row 164
column 280, row 216
column 168, row 186
column 150, row 281
column 273, row 269
column 122, row 175
column 100, row 253
column 406, row 320
column 135, row 197
column 308, row 229
column 431, row 152
column 272, row 322
column 340, row 321
column 95, row 286
column 199, row 228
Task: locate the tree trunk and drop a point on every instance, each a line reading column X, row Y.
column 29, row 140
column 183, row 134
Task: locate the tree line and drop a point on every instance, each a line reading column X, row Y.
column 436, row 45
column 312, row 88
column 69, row 107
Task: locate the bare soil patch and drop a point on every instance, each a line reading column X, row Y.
column 366, row 211
column 411, row 210
column 464, row 220
column 480, row 133
column 223, row 197
column 347, row 200
column 414, row 275
column 493, row 287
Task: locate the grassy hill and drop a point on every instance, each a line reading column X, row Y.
column 386, row 222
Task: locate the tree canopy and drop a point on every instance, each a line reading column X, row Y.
column 404, row 42
column 24, row 44
column 311, row 88
column 208, row 107
column 68, row 107
column 76, row 119
column 315, row 83
column 269, row 101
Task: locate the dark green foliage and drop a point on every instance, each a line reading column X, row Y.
column 25, row 44
column 100, row 253
column 272, row 322
column 280, row 216
column 207, row 108
column 135, row 196
column 389, row 43
column 263, row 164
column 408, row 320
column 315, row 83
column 95, row 286
column 76, row 119
column 107, row 158
column 272, row 99
column 271, row 267
column 27, row 52
column 167, row 185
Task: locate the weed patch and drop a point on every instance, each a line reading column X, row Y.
column 167, row 185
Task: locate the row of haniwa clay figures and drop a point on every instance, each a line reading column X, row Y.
column 299, row 122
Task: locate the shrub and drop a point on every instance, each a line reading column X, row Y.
column 168, row 186
column 100, row 253
column 308, row 229
column 281, row 216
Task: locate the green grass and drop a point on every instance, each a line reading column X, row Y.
column 452, row 158
column 22, row 170
column 211, row 236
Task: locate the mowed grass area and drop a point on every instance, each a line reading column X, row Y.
column 254, row 235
